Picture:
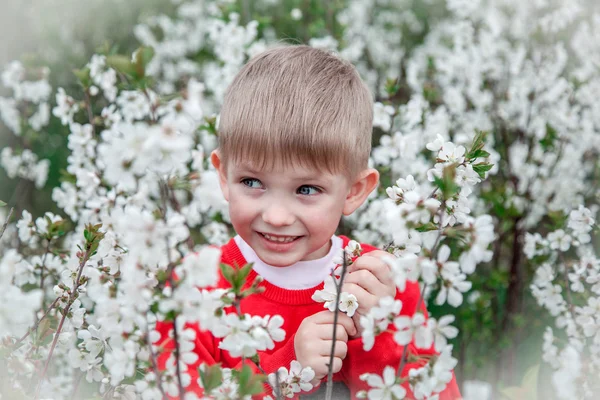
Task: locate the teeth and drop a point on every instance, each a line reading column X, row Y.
column 286, row 239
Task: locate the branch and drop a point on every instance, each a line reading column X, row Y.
column 164, row 197
column 6, row 222
column 434, row 251
column 72, row 298
column 338, row 287
column 155, row 366
column 18, row 342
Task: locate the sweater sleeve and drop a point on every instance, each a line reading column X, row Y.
column 206, row 348
column 387, row 352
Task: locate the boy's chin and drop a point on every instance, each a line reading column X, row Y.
column 278, row 261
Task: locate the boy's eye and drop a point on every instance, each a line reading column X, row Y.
column 308, row 190
column 251, row 183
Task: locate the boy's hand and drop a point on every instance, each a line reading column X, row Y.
column 313, row 341
column 369, row 279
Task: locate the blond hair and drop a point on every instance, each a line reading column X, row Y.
column 297, row 104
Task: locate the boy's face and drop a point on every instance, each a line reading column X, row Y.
column 289, row 214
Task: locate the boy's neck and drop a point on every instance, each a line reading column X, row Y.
column 300, row 275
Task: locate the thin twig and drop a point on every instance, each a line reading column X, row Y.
column 404, row 357
column 171, row 266
column 6, row 222
column 338, row 287
column 275, row 387
column 155, row 366
column 42, row 271
column 434, row 251
column 72, row 298
column 35, row 327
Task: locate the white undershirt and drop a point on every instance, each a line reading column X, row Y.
column 301, row 275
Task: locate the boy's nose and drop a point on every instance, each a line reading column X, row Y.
column 277, row 215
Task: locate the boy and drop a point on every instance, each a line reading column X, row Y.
column 294, row 141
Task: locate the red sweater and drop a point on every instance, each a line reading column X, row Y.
column 294, row 306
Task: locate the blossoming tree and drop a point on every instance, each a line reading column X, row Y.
column 488, row 138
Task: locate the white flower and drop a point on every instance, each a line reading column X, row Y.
column 353, row 249
column 382, row 116
column 407, row 327
column 383, row 388
column 442, row 331
column 296, row 380
column 201, row 268
column 348, row 303
column 66, row 107
column 378, row 319
column 436, row 145
column 296, row 14
column 451, row 153
column 559, row 240
column 327, row 295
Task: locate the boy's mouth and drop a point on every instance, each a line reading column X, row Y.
column 279, row 238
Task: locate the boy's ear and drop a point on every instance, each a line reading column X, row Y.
column 215, row 159
column 363, row 185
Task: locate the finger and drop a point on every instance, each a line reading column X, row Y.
column 326, row 332
column 379, row 268
column 322, row 317
column 346, row 323
column 342, row 319
column 337, row 364
column 323, row 348
column 367, row 281
column 365, row 299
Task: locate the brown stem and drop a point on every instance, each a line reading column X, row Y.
column 434, row 251
column 155, row 367
column 88, row 107
column 42, row 271
column 18, row 342
column 513, row 296
column 404, row 358
column 338, row 287
column 164, row 194
column 72, row 298
column 6, row 222
column 177, row 356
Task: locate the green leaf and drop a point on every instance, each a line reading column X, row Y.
column 249, row 383
column 482, row 168
column 84, row 76
column 547, row 142
column 121, row 64
column 142, row 56
column 211, row 377
column 480, row 154
column 430, row 226
column 2, row 204
column 392, row 86
column 446, row 183
column 228, row 273
column 479, row 140
column 242, row 274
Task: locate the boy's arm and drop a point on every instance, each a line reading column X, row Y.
column 387, row 352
